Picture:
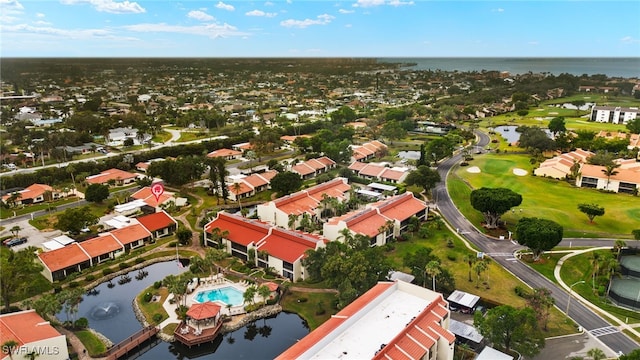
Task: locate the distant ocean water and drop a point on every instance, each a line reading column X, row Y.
column 611, row 67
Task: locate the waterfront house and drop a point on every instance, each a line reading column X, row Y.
column 32, row 335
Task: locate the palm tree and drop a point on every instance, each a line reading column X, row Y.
column 433, row 269
column 596, row 354
column 346, row 236
column 236, row 188
column 264, row 292
column 619, row 245
column 293, row 218
column 609, row 171
column 15, row 230
column 8, row 347
column 612, row 267
column 470, row 259
column 595, row 263
column 71, row 170
column 479, row 268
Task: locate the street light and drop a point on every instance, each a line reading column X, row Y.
column 570, row 288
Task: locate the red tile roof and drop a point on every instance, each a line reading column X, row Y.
column 131, row 233
column 206, row 310
column 111, row 174
column 288, row 245
column 244, row 188
column 63, row 258
column 150, row 199
column 401, row 207
column 241, row 230
column 357, row 166
column 25, row 327
column 367, row 222
column 303, row 169
column 31, row 192
column 224, row 153
column 156, row 221
column 101, row 245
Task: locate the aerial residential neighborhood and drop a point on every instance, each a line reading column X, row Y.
column 392, row 213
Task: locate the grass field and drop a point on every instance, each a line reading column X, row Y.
column 545, row 198
column 94, row 346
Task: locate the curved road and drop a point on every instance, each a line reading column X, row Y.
column 501, row 251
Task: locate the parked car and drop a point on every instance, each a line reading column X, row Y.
column 15, row 241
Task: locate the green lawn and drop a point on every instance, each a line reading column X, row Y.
column 307, row 309
column 546, row 198
column 7, row 213
column 94, row 346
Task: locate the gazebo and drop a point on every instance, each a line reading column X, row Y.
column 205, row 312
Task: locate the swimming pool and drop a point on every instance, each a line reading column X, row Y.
column 227, row 295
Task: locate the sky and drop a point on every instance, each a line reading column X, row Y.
column 304, row 28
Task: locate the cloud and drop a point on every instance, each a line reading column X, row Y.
column 345, row 11
column 368, row 3
column 399, row 3
column 11, row 6
column 40, row 15
column 42, row 23
column 629, row 40
column 25, row 29
column 110, row 6
column 268, row 3
column 497, row 10
column 323, row 19
column 200, row 15
column 211, row 30
column 260, row 13
column 224, row 6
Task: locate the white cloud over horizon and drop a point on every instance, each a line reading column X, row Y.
column 260, row 13
column 110, row 6
column 200, row 15
column 323, row 19
column 223, row 6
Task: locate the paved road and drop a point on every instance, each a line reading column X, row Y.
column 501, row 251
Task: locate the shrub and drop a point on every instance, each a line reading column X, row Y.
column 139, row 260
column 81, row 323
column 157, row 317
column 74, row 284
column 521, row 291
column 107, row 271
column 123, row 265
column 90, row 277
column 451, row 256
column 147, row 297
column 157, row 284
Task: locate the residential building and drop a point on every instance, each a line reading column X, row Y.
column 415, row 322
column 249, row 185
column 613, row 114
column 34, row 194
column 118, row 136
column 116, row 176
column 313, row 167
column 159, row 224
column 625, row 180
column 379, row 172
column 32, row 335
column 560, row 166
column 60, row 263
column 302, row 202
column 274, row 247
column 102, row 248
column 380, row 221
column 634, row 139
column 228, row 154
column 150, row 199
column 133, row 236
column 367, row 150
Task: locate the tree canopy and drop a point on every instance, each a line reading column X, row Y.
column 96, row 193
column 286, row 182
column 591, row 210
column 75, row 219
column 424, row 177
column 19, row 272
column 634, row 125
column 537, row 234
column 511, row 328
column 556, row 125
column 493, row 202
column 177, row 172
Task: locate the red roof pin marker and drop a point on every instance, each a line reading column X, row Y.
column 157, row 189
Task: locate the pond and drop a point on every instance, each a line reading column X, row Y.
column 409, row 155
column 110, row 312
column 510, row 134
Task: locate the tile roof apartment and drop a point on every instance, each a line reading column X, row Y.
column 634, row 139
column 250, row 185
column 150, row 200
column 119, row 177
column 372, row 221
column 560, row 166
column 75, row 257
column 367, row 150
column 228, row 154
column 32, row 334
column 313, row 167
column 415, row 322
column 306, row 201
column 378, row 172
column 626, row 180
column 278, row 248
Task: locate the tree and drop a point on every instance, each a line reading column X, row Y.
column 184, row 236
column 249, row 294
column 15, row 230
column 237, row 188
column 596, row 354
column 293, row 219
column 479, row 267
column 433, row 269
column 633, row 355
column 556, row 125
column 634, row 125
column 618, row 246
column 537, row 234
column 425, row 177
column 75, row 219
column 636, row 234
column 493, row 203
column 286, row 182
column 591, row 210
column 541, row 302
column 511, row 328
column 19, row 272
column 264, row 292
column 609, row 171
column 96, row 193
column 470, row 259
column 392, row 130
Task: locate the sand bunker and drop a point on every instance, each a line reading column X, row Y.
column 474, row 170
column 519, row 172
column 553, row 113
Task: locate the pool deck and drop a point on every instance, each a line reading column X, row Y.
column 209, row 283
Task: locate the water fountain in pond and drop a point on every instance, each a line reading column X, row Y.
column 105, row 310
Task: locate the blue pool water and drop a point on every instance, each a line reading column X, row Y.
column 228, row 295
